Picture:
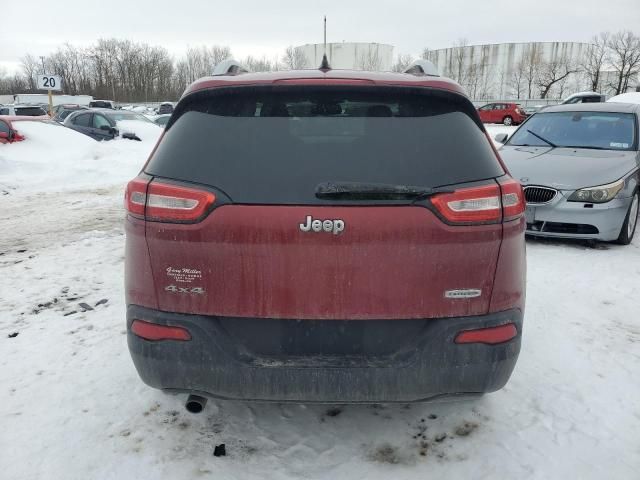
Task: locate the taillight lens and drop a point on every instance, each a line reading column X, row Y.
column 490, row 336
column 135, row 196
column 155, row 332
column 470, row 205
column 513, row 202
column 486, row 204
column 167, row 203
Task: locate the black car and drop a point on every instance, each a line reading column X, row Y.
column 165, row 108
column 101, row 104
column 100, row 124
column 61, row 112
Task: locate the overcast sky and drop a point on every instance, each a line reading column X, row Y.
column 261, row 27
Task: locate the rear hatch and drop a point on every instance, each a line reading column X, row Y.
column 320, row 202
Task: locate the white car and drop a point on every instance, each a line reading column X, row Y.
column 23, row 110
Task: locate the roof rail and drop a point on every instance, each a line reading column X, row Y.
column 229, row 67
column 422, row 67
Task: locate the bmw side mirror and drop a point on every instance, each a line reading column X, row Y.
column 501, row 137
column 106, row 128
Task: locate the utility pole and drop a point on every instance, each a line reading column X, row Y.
column 43, row 70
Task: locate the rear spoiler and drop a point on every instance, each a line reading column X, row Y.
column 229, row 67
column 422, row 68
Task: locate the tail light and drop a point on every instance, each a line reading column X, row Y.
column 490, row 336
column 166, row 202
column 486, row 204
column 155, row 332
column 513, row 203
column 470, row 205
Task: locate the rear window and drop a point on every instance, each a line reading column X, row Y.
column 30, row 111
column 276, row 144
column 100, row 104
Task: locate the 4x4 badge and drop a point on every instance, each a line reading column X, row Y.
column 336, row 226
column 176, row 289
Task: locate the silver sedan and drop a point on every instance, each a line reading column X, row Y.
column 580, row 169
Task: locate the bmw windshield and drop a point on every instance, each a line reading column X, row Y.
column 594, row 130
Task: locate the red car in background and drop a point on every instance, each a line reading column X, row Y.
column 505, row 113
column 8, row 131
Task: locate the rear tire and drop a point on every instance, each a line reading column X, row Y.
column 507, row 121
column 630, row 222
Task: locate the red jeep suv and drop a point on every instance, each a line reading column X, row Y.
column 324, row 236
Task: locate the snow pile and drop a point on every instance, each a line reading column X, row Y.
column 494, row 130
column 146, row 131
column 53, row 158
column 630, row 97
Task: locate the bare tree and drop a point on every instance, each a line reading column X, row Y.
column 427, row 54
column 594, row 59
column 294, row 58
column 402, row 62
column 516, row 82
column 30, row 67
column 258, row 64
column 531, row 60
column 370, row 60
column 456, row 65
column 552, row 72
column 625, row 59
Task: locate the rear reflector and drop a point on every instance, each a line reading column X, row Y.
column 153, row 331
column 491, row 335
column 166, row 202
column 470, row 205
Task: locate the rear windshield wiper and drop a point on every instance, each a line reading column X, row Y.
column 378, row 191
column 542, row 138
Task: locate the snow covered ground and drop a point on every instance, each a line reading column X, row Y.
column 72, row 406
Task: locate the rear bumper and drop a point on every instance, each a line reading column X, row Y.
column 265, row 359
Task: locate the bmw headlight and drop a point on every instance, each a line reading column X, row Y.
column 599, row 194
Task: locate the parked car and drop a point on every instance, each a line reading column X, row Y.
column 530, row 110
column 584, row 97
column 505, row 113
column 580, row 167
column 161, row 120
column 9, row 132
column 629, row 97
column 101, row 124
column 60, row 112
column 165, row 107
column 102, row 104
column 332, row 236
column 23, row 110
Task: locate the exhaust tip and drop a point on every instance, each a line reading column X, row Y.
column 195, row 404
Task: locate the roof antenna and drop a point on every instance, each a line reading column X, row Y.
column 324, row 66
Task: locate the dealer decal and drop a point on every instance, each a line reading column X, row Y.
column 184, row 275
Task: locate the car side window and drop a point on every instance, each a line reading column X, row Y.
column 99, row 121
column 498, row 106
column 4, row 127
column 83, row 120
column 487, row 107
column 4, row 111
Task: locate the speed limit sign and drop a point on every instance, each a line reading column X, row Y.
column 49, row 82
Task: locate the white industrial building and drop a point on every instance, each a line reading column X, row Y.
column 501, row 70
column 352, row 56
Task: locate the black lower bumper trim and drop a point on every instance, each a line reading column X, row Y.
column 360, row 361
